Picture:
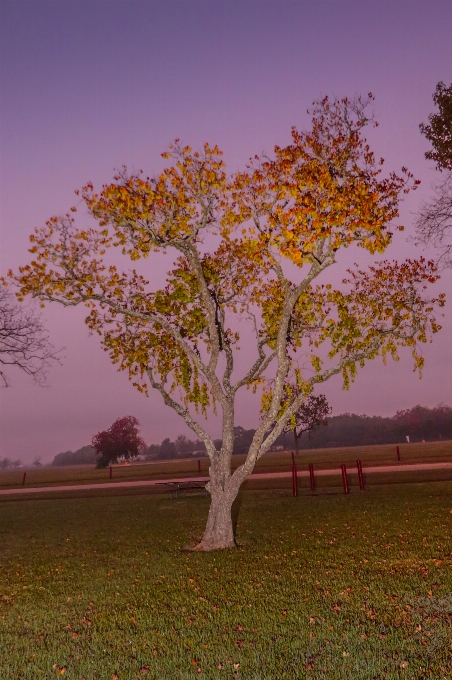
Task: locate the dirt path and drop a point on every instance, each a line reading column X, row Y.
column 258, row 475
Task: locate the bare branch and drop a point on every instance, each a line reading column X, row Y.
column 434, row 222
column 24, row 341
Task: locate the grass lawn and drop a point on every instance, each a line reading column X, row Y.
column 384, row 454
column 354, row 587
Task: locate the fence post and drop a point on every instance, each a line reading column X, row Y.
column 360, row 474
column 398, row 453
column 294, row 480
column 111, row 472
column 311, row 476
column 344, row 478
column 23, row 479
column 199, row 466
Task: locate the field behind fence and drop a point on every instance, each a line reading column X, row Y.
column 273, row 462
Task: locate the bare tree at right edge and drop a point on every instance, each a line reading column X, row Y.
column 434, row 222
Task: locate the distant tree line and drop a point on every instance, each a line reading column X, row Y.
column 84, row 456
column 183, row 447
column 6, row 463
column 418, row 423
column 349, row 429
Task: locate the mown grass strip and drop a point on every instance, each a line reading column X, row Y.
column 328, row 586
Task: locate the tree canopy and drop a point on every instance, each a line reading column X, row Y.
column 83, row 456
column 121, row 440
column 438, row 131
column 251, row 247
column 312, row 413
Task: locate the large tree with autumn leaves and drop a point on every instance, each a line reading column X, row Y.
column 249, row 246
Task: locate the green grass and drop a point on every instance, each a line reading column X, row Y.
column 430, row 452
column 328, row 587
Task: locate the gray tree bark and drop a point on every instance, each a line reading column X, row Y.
column 223, row 489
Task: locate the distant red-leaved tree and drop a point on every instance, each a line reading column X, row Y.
column 121, row 440
column 312, row 413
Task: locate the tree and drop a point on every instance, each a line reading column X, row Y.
column 24, row 341
column 246, row 247
column 434, row 222
column 242, row 439
column 312, row 413
column 7, row 463
column 168, row 449
column 84, row 456
column 183, row 445
column 439, row 130
column 121, row 440
column 152, row 452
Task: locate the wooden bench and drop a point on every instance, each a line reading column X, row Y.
column 175, row 487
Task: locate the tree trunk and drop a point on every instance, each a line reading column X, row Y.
column 219, row 531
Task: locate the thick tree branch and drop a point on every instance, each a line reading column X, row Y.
column 184, row 413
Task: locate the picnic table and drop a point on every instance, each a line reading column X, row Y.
column 179, row 486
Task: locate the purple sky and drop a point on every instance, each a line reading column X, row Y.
column 87, row 86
